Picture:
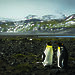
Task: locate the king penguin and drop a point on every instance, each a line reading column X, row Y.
column 48, row 55
column 62, row 56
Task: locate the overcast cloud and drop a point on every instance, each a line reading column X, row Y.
column 18, row 9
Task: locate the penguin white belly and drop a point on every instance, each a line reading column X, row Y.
column 48, row 56
column 58, row 57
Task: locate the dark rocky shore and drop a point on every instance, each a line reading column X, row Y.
column 19, row 56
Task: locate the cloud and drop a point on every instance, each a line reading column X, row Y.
column 65, row 2
column 39, row 7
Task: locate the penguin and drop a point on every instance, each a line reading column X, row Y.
column 48, row 55
column 62, row 56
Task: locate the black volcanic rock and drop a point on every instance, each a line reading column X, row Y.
column 18, row 56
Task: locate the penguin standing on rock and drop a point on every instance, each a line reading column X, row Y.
column 62, row 56
column 48, row 55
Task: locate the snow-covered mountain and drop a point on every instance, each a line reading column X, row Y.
column 6, row 19
column 31, row 17
column 47, row 23
column 70, row 17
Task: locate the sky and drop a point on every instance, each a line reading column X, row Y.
column 18, row 9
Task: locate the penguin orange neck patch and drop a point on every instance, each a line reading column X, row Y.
column 58, row 47
column 48, row 46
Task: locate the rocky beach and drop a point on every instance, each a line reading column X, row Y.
column 22, row 56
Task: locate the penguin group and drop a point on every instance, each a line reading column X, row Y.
column 62, row 55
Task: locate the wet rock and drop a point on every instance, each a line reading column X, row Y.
column 3, row 68
column 20, row 57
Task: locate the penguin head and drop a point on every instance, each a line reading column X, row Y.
column 49, row 43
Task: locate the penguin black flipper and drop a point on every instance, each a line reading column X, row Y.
column 43, row 56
